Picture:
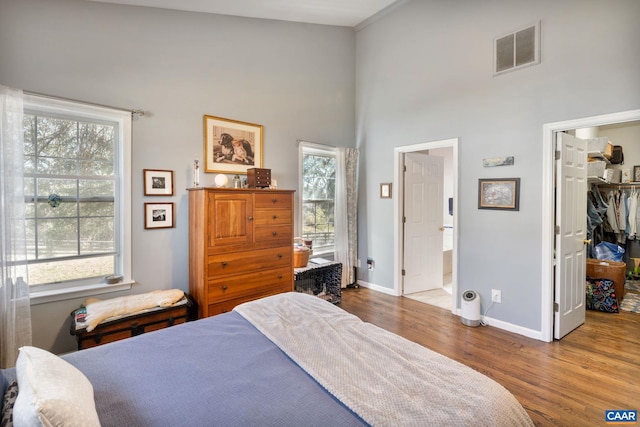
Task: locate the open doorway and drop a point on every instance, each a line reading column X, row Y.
column 554, row 289
column 441, row 290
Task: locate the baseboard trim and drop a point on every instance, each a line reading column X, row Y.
column 510, row 327
column 377, row 288
column 490, row 321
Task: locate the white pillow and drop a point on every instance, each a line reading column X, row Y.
column 52, row 392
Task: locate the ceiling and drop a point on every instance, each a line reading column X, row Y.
column 346, row 13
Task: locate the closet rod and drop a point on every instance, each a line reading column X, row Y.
column 620, row 186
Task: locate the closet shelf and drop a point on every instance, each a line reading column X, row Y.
column 597, row 180
column 602, row 183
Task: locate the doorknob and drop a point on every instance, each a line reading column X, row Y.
column 441, row 228
column 587, row 241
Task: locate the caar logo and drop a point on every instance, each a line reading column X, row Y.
column 621, row 416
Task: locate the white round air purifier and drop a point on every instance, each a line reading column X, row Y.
column 470, row 308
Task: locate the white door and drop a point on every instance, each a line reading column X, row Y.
column 423, row 223
column 571, row 232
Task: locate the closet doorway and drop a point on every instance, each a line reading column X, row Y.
column 408, row 280
column 551, row 287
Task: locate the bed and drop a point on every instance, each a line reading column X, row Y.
column 287, row 360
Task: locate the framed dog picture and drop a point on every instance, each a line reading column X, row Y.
column 231, row 146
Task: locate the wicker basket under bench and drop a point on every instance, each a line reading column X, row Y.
column 125, row 327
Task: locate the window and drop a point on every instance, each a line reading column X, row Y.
column 318, row 197
column 76, row 186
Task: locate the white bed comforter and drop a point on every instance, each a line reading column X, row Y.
column 384, row 378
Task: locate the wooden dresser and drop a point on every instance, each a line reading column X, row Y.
column 240, row 246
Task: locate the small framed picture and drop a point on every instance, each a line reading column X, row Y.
column 385, row 190
column 503, row 194
column 158, row 182
column 636, row 174
column 158, row 215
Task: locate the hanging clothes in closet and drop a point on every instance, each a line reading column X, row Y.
column 597, row 213
column 616, row 220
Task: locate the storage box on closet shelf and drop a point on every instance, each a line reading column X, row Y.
column 599, row 145
column 596, row 168
column 301, row 252
column 613, row 176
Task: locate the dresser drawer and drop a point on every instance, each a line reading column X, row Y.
column 249, row 284
column 242, row 262
column 273, row 217
column 274, row 234
column 273, row 200
column 228, row 305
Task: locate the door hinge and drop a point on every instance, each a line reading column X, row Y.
column 557, row 229
column 404, row 168
column 557, row 155
column 404, row 219
column 403, row 272
column 556, row 307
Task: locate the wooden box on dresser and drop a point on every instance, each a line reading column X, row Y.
column 240, row 246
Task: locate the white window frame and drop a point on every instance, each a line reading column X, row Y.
column 323, row 150
column 86, row 287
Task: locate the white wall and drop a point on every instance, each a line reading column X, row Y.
column 424, row 73
column 297, row 80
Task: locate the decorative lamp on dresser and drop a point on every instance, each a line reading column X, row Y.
column 240, row 246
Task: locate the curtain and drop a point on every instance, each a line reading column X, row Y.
column 15, row 310
column 346, row 220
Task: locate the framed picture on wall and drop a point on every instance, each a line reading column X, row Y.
column 385, row 190
column 158, row 215
column 502, row 194
column 636, row 174
column 158, row 182
column 231, row 146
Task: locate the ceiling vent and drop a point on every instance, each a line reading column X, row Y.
column 517, row 49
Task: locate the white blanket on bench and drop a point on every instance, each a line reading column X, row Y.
column 99, row 310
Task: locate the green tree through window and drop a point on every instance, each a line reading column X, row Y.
column 77, row 201
column 318, row 199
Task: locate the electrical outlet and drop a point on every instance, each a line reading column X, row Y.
column 496, row 296
column 371, row 264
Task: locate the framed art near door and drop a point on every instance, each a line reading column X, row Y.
column 501, row 194
column 385, row 190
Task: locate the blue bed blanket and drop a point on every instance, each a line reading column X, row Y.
column 287, row 360
column 218, row 371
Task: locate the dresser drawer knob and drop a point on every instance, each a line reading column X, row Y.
column 279, row 255
column 274, row 200
column 274, row 233
column 250, row 218
column 224, row 264
column 279, row 276
column 275, row 217
column 224, row 287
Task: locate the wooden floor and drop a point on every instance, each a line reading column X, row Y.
column 563, row 383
